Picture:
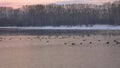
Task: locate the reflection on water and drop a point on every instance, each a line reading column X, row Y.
column 27, row 54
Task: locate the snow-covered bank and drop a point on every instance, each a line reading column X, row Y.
column 95, row 27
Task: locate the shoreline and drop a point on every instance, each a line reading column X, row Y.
column 57, row 32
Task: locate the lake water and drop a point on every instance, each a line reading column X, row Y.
column 28, row 52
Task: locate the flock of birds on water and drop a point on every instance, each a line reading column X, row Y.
column 47, row 39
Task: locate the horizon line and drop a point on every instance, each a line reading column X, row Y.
column 16, row 6
column 19, row 5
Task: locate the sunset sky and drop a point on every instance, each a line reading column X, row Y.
column 19, row 3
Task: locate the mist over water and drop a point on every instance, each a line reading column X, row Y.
column 83, row 27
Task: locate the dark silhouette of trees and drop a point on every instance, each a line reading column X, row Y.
column 61, row 15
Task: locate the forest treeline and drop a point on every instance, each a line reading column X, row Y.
column 61, row 15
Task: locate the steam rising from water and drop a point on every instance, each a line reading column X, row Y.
column 95, row 27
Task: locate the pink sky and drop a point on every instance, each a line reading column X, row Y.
column 18, row 3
